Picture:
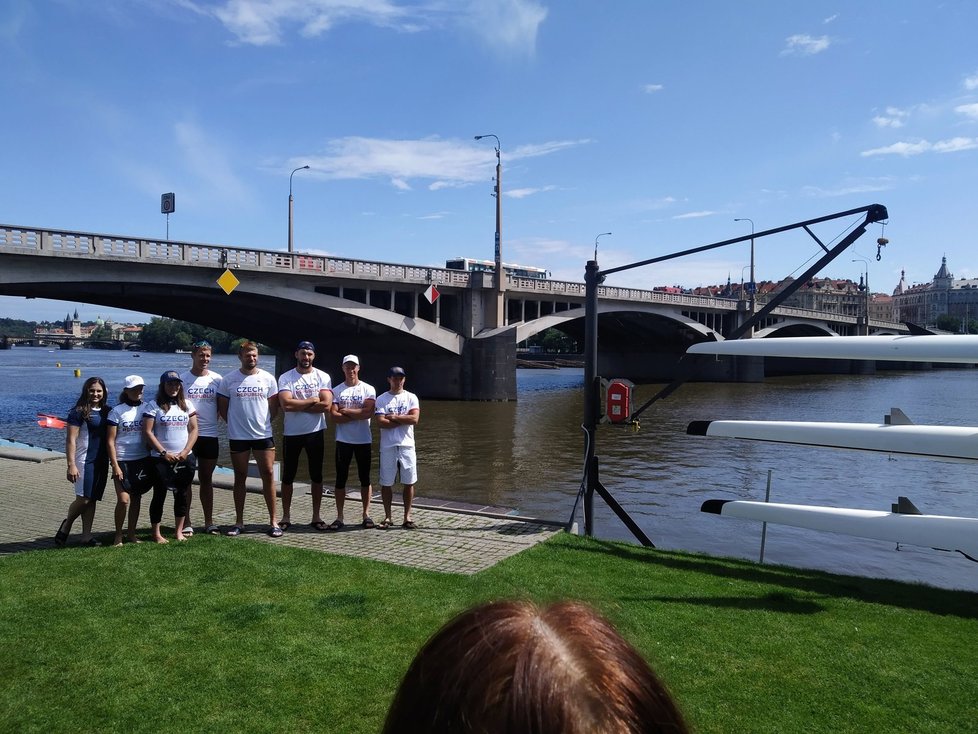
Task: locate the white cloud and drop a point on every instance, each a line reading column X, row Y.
column 971, row 82
column 851, row 187
column 652, row 88
column 830, row 19
column 805, row 45
column 264, row 22
column 894, row 117
column 969, row 110
column 695, row 215
column 523, row 193
column 444, row 163
column 907, row 149
column 506, row 25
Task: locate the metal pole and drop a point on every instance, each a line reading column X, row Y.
column 865, row 293
column 499, row 279
column 300, row 168
column 596, row 244
column 753, row 283
column 592, row 398
column 767, row 498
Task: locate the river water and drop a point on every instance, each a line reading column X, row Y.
column 528, row 454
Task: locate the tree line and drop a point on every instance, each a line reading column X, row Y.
column 167, row 335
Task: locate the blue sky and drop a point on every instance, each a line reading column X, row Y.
column 660, row 122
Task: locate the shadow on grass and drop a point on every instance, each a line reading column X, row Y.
column 874, row 591
column 774, row 602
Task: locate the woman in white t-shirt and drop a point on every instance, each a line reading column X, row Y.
column 132, row 473
column 170, row 429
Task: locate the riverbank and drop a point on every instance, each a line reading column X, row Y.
column 452, row 537
column 222, row 633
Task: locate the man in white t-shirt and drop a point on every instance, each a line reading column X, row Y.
column 200, row 386
column 247, row 401
column 305, row 395
column 397, row 413
column 353, row 404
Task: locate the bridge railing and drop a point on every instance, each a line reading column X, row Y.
column 99, row 246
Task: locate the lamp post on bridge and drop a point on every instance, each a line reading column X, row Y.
column 864, row 286
column 596, row 244
column 300, row 168
column 752, row 285
column 498, row 193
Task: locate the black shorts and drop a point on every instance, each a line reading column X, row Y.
column 137, row 475
column 344, row 456
column 207, row 447
column 237, row 446
column 315, row 445
column 177, row 475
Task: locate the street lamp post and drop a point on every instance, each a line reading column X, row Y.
column 596, row 244
column 300, row 168
column 498, row 193
column 752, row 286
column 864, row 285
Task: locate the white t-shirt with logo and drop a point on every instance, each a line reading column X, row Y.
column 171, row 427
column 202, row 391
column 400, row 404
column 353, row 396
column 128, row 420
column 304, row 386
column 248, row 416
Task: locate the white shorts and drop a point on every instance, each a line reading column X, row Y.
column 391, row 458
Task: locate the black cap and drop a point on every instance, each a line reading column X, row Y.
column 170, row 376
column 397, row 372
column 306, row 345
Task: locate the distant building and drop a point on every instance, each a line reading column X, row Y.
column 924, row 303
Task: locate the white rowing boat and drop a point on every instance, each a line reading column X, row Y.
column 960, row 349
column 900, row 436
column 930, row 531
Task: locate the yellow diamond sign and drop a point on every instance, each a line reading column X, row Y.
column 228, row 282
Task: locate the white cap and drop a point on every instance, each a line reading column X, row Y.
column 351, row 358
column 133, row 381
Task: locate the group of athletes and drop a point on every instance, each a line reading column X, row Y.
column 159, row 445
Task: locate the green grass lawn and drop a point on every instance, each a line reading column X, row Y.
column 246, row 636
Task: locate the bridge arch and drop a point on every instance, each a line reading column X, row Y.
column 795, row 327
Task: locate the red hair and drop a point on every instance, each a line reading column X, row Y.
column 515, row 667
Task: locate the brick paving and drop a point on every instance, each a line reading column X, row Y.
column 451, row 537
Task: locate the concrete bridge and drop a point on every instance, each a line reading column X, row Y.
column 451, row 348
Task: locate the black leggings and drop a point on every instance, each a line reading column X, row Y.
column 344, row 457
column 160, row 489
column 315, row 445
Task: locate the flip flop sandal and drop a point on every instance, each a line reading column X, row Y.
column 386, row 524
column 319, row 525
column 275, row 532
column 409, row 525
column 285, row 525
column 335, row 525
column 234, row 532
column 369, row 523
column 61, row 537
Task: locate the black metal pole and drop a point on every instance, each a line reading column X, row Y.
column 592, row 397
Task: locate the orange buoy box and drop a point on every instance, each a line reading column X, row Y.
column 618, row 400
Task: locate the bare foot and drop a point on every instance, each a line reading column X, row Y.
column 133, row 539
column 182, row 537
column 117, row 545
column 160, row 539
column 117, row 540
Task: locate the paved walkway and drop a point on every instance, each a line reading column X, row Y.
column 451, row 537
